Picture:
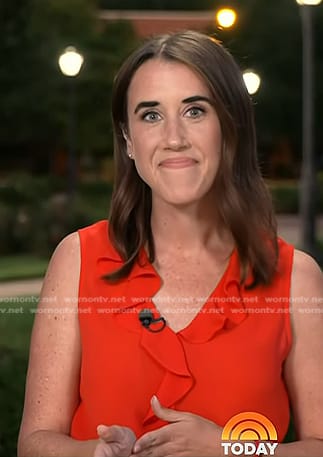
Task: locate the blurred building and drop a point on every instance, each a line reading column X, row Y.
column 147, row 23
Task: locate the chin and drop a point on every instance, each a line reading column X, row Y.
column 182, row 200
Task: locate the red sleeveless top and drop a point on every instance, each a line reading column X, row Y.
column 228, row 360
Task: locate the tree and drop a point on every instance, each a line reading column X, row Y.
column 33, row 97
column 268, row 39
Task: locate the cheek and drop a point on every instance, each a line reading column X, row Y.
column 144, row 148
column 143, row 141
column 142, row 162
column 144, row 172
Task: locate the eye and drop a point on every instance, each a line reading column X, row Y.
column 195, row 112
column 151, row 116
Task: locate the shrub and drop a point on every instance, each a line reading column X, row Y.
column 285, row 196
column 35, row 214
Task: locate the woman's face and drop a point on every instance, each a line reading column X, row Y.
column 174, row 133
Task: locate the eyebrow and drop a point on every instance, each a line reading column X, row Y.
column 197, row 98
column 152, row 103
column 149, row 104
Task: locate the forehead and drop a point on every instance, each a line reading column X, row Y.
column 164, row 78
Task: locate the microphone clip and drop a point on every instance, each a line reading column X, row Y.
column 146, row 318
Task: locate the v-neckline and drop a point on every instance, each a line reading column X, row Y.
column 208, row 303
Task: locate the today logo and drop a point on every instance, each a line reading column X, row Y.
column 253, row 434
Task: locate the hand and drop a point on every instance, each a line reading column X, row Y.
column 186, row 435
column 115, row 441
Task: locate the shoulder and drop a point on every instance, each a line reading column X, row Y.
column 306, row 276
column 306, row 298
column 305, row 263
column 67, row 251
column 64, row 267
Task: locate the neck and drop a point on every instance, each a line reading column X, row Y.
column 188, row 229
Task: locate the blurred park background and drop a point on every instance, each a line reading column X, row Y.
column 56, row 164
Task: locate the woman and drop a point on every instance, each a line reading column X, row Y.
column 186, row 309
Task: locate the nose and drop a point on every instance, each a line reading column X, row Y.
column 175, row 135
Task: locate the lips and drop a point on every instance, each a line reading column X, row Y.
column 178, row 162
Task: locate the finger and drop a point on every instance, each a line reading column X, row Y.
column 104, row 432
column 166, row 414
column 149, row 440
column 162, row 450
column 115, row 433
column 109, row 433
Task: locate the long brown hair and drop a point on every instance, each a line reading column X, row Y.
column 245, row 206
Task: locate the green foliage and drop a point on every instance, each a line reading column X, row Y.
column 103, row 58
column 268, row 39
column 285, row 196
column 274, row 53
column 22, row 267
column 15, row 328
column 13, row 366
column 35, row 215
column 16, row 320
column 34, row 92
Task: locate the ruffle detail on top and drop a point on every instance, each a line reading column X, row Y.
column 222, row 311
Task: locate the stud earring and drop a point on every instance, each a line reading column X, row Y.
column 130, row 155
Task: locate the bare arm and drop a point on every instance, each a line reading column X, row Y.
column 304, row 368
column 54, row 366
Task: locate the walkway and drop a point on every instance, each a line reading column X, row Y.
column 17, row 288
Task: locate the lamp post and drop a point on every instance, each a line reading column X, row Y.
column 70, row 63
column 252, row 81
column 308, row 175
column 226, row 17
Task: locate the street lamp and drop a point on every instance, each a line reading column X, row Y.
column 252, row 81
column 308, row 175
column 226, row 17
column 70, row 63
column 309, row 2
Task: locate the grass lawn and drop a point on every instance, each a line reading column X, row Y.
column 22, row 267
column 16, row 321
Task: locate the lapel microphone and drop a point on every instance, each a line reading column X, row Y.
column 146, row 318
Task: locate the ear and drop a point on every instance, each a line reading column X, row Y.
column 128, row 142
